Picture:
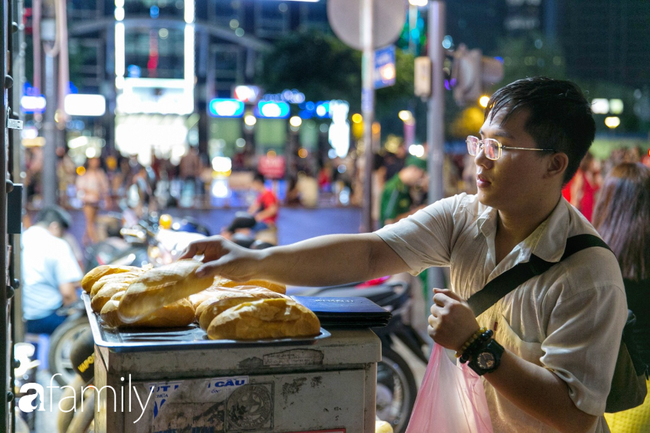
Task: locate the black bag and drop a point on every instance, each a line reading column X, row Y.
column 628, row 388
column 629, row 382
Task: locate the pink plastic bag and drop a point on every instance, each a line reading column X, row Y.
column 451, row 399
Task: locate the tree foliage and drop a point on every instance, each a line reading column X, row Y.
column 318, row 65
column 529, row 56
column 534, row 55
column 323, row 68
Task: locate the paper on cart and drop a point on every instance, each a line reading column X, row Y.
column 186, row 404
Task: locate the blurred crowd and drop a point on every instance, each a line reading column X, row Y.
column 110, row 180
column 117, row 182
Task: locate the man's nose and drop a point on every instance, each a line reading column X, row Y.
column 480, row 158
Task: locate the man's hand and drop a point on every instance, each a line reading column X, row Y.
column 451, row 322
column 224, row 258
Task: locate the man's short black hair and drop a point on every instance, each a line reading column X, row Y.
column 54, row 214
column 560, row 116
column 259, row 177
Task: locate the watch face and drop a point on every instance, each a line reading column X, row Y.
column 485, row 360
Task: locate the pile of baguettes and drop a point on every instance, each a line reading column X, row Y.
column 173, row 296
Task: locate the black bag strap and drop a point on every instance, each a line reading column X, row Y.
column 519, row 274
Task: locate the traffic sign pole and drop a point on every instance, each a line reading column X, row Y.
column 367, row 107
column 366, row 25
column 435, row 124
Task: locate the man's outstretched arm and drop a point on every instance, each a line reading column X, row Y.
column 320, row 261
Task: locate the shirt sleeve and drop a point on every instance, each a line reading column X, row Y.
column 423, row 239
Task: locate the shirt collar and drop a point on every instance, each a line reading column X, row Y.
column 486, row 223
column 547, row 241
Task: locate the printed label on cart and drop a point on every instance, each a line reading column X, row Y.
column 186, row 404
column 294, row 357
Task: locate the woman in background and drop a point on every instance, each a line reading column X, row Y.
column 622, row 217
column 92, row 187
column 585, row 185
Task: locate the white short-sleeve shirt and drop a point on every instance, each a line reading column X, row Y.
column 568, row 320
column 47, row 262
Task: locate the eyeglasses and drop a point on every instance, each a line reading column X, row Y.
column 492, row 148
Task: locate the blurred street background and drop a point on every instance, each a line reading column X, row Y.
column 196, row 95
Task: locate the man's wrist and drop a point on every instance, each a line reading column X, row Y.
column 470, row 341
column 485, row 355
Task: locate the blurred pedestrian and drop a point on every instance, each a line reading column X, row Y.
column 140, row 192
column 622, row 217
column 50, row 271
column 66, row 173
column 92, row 188
column 397, row 199
column 585, row 185
column 265, row 210
column 190, row 170
column 266, row 206
column 394, row 162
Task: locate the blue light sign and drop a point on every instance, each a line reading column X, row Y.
column 273, row 110
column 385, row 67
column 33, row 104
column 222, row 107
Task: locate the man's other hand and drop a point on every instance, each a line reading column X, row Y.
column 452, row 321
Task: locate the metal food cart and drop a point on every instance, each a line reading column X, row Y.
column 178, row 380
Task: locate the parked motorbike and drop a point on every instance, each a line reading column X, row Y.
column 82, row 361
column 242, row 231
column 58, row 356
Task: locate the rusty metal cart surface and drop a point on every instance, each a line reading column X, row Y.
column 178, row 380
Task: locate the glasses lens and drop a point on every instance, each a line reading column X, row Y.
column 472, row 144
column 491, row 148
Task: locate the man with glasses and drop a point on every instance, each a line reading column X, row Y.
column 553, row 341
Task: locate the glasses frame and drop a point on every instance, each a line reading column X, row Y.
column 481, row 143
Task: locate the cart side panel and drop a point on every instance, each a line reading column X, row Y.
column 273, row 403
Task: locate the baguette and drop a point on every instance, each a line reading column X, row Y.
column 159, row 287
column 176, row 315
column 209, row 293
column 216, row 296
column 106, row 293
column 124, row 277
column 211, row 308
column 276, row 287
column 266, row 318
column 96, row 273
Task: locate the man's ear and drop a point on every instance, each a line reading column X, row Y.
column 557, row 164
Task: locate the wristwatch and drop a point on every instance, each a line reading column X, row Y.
column 487, row 358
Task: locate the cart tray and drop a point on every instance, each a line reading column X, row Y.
column 162, row 339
